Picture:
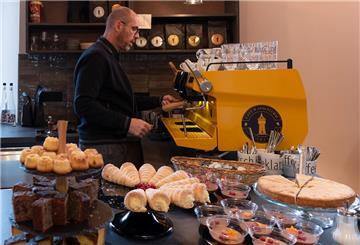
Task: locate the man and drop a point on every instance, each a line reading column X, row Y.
column 104, row 100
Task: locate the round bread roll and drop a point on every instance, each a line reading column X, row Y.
column 37, row 149
column 49, row 154
column 24, row 154
column 62, row 165
column 51, row 143
column 95, row 160
column 32, row 160
column 78, row 160
column 45, row 164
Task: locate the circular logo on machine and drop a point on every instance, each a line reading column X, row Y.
column 261, row 119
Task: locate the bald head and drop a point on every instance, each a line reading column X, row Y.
column 123, row 14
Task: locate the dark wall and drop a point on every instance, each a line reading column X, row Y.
column 148, row 73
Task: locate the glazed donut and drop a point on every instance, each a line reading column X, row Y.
column 78, row 160
column 62, row 165
column 45, row 164
column 95, row 160
column 37, row 149
column 50, row 154
column 51, row 143
column 32, row 160
column 24, row 154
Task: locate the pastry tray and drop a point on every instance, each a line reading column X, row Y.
column 100, row 215
column 86, row 173
column 356, row 203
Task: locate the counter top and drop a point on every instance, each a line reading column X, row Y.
column 185, row 226
column 17, row 136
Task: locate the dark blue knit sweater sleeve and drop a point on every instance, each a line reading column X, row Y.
column 90, row 74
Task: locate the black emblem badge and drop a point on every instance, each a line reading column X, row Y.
column 261, row 119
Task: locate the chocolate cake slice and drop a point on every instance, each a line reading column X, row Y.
column 22, row 205
column 60, row 209
column 79, row 206
column 37, row 189
column 22, row 187
column 42, row 214
column 87, row 186
column 47, row 194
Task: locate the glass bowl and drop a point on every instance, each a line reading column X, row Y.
column 281, row 215
column 306, row 232
column 276, row 237
column 226, row 230
column 205, row 211
column 230, row 179
column 261, row 223
column 239, row 208
column 231, row 190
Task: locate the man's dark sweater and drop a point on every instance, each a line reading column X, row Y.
column 104, row 100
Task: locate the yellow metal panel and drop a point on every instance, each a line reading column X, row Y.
column 195, row 140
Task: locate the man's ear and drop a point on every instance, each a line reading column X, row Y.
column 118, row 25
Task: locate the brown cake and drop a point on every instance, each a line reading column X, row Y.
column 22, row 205
column 306, row 191
column 79, row 206
column 22, row 187
column 37, row 189
column 87, row 186
column 42, row 214
column 47, row 193
column 59, row 208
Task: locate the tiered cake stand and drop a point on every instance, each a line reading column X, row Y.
column 100, row 214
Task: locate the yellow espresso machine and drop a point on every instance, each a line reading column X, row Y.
column 222, row 106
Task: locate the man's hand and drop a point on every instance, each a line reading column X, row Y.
column 167, row 99
column 139, row 127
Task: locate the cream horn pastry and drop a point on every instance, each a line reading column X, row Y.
column 107, row 171
column 178, row 175
column 161, row 173
column 157, row 200
column 129, row 174
column 181, row 182
column 199, row 191
column 146, row 172
column 183, row 198
column 136, row 201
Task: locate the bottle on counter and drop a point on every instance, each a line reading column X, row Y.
column 11, row 106
column 346, row 231
column 4, row 104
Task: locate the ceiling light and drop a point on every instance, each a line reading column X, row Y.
column 192, row 2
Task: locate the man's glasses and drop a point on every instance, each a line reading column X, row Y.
column 135, row 29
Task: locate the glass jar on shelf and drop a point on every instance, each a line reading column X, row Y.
column 44, row 41
column 34, row 45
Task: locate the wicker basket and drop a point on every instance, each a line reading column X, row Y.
column 250, row 175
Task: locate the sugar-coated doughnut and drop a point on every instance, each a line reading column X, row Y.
column 32, row 160
column 51, row 143
column 24, row 154
column 45, row 164
column 62, row 165
column 94, row 160
column 37, row 149
column 78, row 160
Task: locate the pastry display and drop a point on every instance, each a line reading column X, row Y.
column 136, row 200
column 306, row 191
column 157, row 200
column 51, row 143
column 161, row 187
column 146, row 172
column 45, row 158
